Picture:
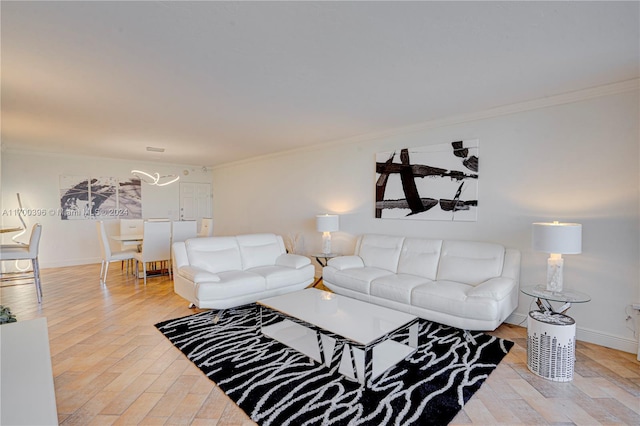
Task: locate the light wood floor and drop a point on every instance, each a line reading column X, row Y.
column 112, row 366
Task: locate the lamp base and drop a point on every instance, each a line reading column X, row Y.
column 554, row 273
column 326, row 242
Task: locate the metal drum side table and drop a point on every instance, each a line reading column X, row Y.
column 551, row 335
column 551, row 342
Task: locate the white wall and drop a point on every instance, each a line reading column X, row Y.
column 72, row 242
column 569, row 158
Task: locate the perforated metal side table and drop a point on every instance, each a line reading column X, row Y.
column 551, row 335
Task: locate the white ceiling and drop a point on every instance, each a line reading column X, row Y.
column 214, row 82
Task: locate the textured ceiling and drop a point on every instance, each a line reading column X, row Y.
column 214, row 82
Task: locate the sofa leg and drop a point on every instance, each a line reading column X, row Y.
column 469, row 337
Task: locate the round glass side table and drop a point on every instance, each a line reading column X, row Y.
column 323, row 259
column 544, row 297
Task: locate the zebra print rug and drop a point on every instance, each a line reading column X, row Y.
column 276, row 385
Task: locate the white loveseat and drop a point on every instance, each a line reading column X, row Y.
column 464, row 284
column 224, row 272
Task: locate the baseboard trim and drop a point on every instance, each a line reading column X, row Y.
column 588, row 335
column 72, row 262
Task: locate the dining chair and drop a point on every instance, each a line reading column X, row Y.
column 206, row 227
column 26, row 252
column 130, row 227
column 156, row 245
column 183, row 230
column 108, row 255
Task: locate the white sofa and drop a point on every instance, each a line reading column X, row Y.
column 224, row 272
column 464, row 284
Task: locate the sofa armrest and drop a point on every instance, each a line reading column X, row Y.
column 294, row 261
column 179, row 255
column 197, row 275
column 346, row 262
column 496, row 288
column 511, row 268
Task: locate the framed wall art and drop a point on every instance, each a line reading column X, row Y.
column 434, row 182
column 83, row 197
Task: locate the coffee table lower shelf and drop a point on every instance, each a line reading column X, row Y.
column 355, row 360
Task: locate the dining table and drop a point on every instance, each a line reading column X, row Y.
column 128, row 239
column 12, row 229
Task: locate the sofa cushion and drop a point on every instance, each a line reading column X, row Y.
column 451, row 298
column 346, row 262
column 358, row 279
column 381, row 251
column 397, row 287
column 231, row 284
column 259, row 249
column 214, row 254
column 470, row 262
column 420, row 257
column 281, row 276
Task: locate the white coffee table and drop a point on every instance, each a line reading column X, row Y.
column 320, row 324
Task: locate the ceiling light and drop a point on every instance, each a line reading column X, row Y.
column 155, row 178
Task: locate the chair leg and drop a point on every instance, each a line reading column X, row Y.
column 36, row 278
column 144, row 272
column 106, row 269
column 101, row 270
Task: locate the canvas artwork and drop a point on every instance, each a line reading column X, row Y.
column 74, row 198
column 434, row 182
column 130, row 198
column 100, row 198
column 104, row 201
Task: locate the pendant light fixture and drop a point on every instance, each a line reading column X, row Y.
column 155, row 178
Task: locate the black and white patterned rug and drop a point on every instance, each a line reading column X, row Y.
column 277, row 385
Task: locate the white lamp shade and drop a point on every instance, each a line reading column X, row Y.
column 561, row 238
column 327, row 222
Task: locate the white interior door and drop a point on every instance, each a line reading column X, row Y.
column 195, row 200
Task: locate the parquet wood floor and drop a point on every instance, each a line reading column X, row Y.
column 111, row 366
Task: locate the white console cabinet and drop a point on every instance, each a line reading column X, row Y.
column 27, row 394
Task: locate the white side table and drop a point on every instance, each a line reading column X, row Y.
column 551, row 335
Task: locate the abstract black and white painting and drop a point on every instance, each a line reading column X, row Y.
column 100, row 198
column 130, row 198
column 74, row 198
column 434, row 182
column 104, row 201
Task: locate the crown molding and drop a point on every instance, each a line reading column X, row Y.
column 540, row 103
column 80, row 157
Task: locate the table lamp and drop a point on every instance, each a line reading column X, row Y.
column 327, row 223
column 556, row 239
